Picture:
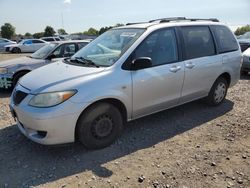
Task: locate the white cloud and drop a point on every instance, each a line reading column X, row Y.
column 67, row 2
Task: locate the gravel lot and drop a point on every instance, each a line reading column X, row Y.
column 189, row 146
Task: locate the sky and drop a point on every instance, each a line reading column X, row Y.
column 79, row 15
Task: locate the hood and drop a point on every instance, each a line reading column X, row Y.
column 244, row 41
column 246, row 52
column 19, row 61
column 57, row 77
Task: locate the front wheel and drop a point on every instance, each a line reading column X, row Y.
column 16, row 50
column 218, row 92
column 99, row 126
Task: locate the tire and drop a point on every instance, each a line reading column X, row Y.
column 99, row 126
column 16, row 50
column 17, row 77
column 218, row 92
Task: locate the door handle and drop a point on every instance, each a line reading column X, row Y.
column 189, row 65
column 175, row 68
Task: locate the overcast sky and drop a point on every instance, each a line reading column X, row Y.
column 78, row 15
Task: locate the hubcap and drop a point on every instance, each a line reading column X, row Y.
column 220, row 92
column 102, row 126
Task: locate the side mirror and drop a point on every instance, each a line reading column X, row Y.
column 51, row 56
column 141, row 63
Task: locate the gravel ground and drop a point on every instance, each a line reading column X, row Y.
column 186, row 147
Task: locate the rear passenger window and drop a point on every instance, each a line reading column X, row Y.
column 225, row 39
column 161, row 47
column 198, row 42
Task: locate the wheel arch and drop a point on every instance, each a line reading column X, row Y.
column 19, row 72
column 226, row 76
column 115, row 102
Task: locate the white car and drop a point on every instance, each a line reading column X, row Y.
column 246, row 62
column 26, row 45
column 4, row 42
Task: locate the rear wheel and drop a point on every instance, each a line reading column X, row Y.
column 16, row 50
column 99, row 126
column 218, row 92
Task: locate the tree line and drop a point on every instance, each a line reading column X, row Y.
column 9, row 31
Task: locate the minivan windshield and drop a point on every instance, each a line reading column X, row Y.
column 108, row 48
column 44, row 51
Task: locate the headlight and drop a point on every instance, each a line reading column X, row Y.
column 51, row 99
column 3, row 70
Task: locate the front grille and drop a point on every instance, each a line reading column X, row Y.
column 7, row 49
column 18, row 97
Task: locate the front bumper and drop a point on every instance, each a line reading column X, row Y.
column 5, row 81
column 48, row 126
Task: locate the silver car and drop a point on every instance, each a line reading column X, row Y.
column 12, row 70
column 26, row 45
column 124, row 74
column 4, row 42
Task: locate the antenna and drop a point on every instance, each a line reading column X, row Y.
column 62, row 20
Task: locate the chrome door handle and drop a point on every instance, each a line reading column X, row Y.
column 175, row 68
column 189, row 65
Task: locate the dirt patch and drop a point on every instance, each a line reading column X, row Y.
column 189, row 146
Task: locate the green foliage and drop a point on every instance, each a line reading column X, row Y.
column 104, row 29
column 242, row 30
column 49, row 31
column 28, row 35
column 91, row 31
column 61, row 32
column 7, row 31
column 38, row 35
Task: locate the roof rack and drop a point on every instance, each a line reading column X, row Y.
column 136, row 23
column 186, row 19
column 172, row 19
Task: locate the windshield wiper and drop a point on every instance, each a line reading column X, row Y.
column 85, row 61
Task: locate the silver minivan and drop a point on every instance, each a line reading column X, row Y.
column 126, row 73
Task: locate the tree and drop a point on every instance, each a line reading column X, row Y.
column 242, row 30
column 49, row 31
column 61, row 32
column 104, row 29
column 7, row 31
column 38, row 35
column 91, row 31
column 28, row 35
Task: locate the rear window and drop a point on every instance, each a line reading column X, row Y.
column 225, row 39
column 198, row 42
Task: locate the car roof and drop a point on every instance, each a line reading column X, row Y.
column 171, row 22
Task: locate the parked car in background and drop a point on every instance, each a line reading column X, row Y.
column 50, row 39
column 124, row 74
column 244, row 41
column 246, row 62
column 4, row 42
column 12, row 70
column 26, row 45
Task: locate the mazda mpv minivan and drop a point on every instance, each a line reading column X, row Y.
column 124, row 74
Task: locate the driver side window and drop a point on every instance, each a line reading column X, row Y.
column 160, row 46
